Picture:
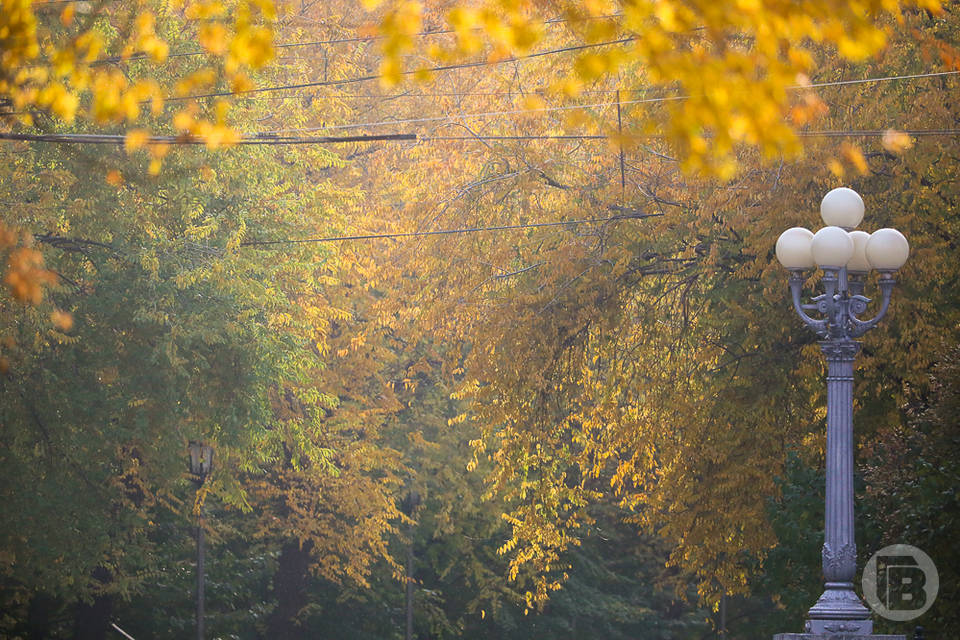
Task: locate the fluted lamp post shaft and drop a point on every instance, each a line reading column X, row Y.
column 845, row 257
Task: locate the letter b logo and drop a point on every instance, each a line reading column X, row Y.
column 900, row 582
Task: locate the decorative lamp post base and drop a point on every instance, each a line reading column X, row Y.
column 839, row 610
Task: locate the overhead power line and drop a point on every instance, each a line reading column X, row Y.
column 319, row 43
column 66, row 242
column 261, row 139
column 837, row 83
column 447, row 232
column 483, row 114
column 546, row 109
column 371, row 77
column 612, row 103
column 542, row 92
column 275, row 139
column 839, row 133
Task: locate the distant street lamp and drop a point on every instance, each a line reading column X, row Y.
column 846, row 258
column 201, row 464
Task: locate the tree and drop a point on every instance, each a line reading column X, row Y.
column 61, row 62
column 621, row 359
column 729, row 71
column 183, row 325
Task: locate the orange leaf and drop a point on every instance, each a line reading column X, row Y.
column 114, row 178
column 61, row 320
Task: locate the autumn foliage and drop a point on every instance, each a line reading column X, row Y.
column 552, row 311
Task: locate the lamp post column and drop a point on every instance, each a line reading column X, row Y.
column 839, row 609
column 200, row 574
column 201, row 464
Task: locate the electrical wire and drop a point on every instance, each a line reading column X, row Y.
column 487, row 114
column 803, row 134
column 260, row 139
column 837, row 83
column 543, row 109
column 274, row 139
column 443, row 232
column 316, row 43
column 267, row 244
column 484, row 114
column 544, row 92
column 368, row 78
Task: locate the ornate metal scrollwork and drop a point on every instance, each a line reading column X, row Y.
column 841, row 305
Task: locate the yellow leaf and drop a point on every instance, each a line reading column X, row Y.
column 667, row 16
column 423, row 74
column 135, row 139
column 836, row 168
column 205, row 10
column 159, row 149
column 854, row 156
column 533, row 103
column 213, row 38
column 390, row 73
column 220, row 109
column 183, row 120
column 896, row 141
column 240, row 83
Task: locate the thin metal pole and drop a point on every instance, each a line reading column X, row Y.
column 409, row 632
column 723, row 616
column 200, row 574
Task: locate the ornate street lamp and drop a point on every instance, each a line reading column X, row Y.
column 846, row 258
column 201, row 464
column 201, row 460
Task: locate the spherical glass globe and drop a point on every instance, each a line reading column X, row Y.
column 887, row 249
column 859, row 263
column 793, row 248
column 842, row 207
column 831, row 247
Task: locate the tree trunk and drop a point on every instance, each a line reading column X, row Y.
column 40, row 616
column 290, row 590
column 91, row 621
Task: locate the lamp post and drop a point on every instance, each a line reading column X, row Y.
column 846, row 258
column 409, row 506
column 201, row 464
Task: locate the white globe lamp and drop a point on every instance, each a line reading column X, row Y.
column 887, row 250
column 842, row 207
column 859, row 263
column 832, row 247
column 793, row 248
